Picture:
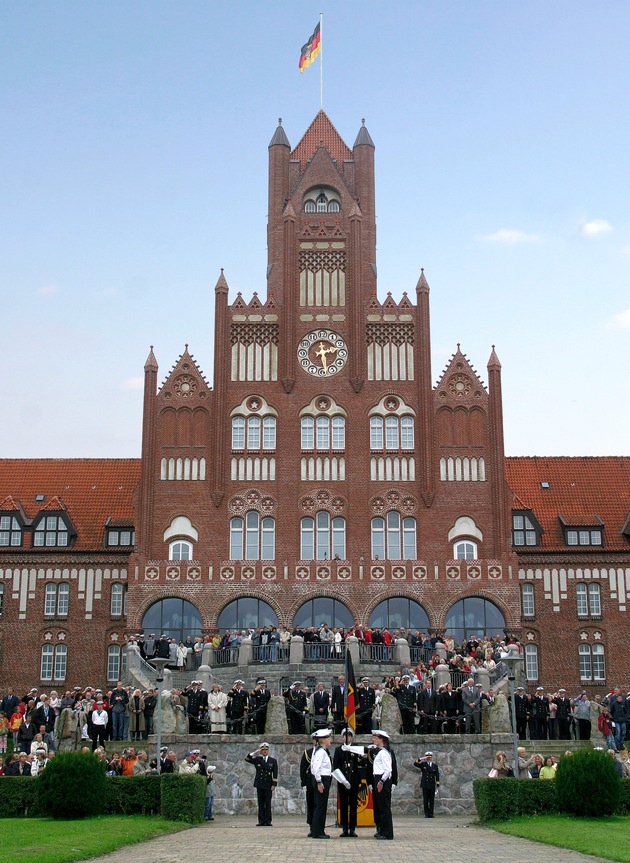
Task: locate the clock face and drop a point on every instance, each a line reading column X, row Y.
column 322, row 353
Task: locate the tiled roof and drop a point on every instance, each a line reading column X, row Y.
column 321, row 132
column 90, row 490
column 580, row 490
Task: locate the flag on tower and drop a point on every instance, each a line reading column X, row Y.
column 311, row 50
column 349, row 701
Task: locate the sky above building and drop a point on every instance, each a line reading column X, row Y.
column 134, row 167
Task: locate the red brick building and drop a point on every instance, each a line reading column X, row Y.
column 322, row 476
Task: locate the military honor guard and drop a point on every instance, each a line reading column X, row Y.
column 265, row 781
column 429, row 782
column 382, row 781
column 259, row 698
column 296, row 702
column 321, row 778
column 367, row 699
column 406, row 695
column 306, row 781
column 238, row 702
column 196, row 706
column 346, row 766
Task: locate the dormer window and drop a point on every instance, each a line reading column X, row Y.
column 51, row 531
column 526, row 530
column 576, row 534
column 322, row 201
column 10, row 531
column 120, row 536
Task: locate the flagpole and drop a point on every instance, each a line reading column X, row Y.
column 321, row 61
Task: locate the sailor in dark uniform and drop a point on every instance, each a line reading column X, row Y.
column 522, row 712
column 305, row 781
column 429, row 782
column 296, row 707
column 563, row 714
column 259, row 698
column 238, row 704
column 406, row 696
column 196, row 706
column 367, row 699
column 265, row 781
column 348, row 763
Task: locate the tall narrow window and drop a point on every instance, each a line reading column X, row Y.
column 252, row 538
column 308, row 432
column 323, row 432
column 253, row 433
column 586, row 667
column 117, row 600
column 527, row 595
column 393, row 538
column 376, row 433
column 594, row 600
column 61, row 662
column 47, row 659
column 238, row 433
column 338, row 433
column 531, row 662
column 113, row 663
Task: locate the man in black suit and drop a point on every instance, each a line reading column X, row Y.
column 429, row 781
column 337, row 703
column 321, row 703
column 265, row 781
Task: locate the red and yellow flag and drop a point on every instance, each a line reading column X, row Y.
column 311, row 50
column 350, row 697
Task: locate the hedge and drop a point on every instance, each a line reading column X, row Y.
column 124, row 795
column 504, row 798
column 183, row 797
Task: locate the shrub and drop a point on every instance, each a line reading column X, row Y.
column 586, row 784
column 183, row 797
column 73, row 785
column 19, row 797
column 132, row 795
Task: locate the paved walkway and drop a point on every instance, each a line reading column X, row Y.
column 236, row 839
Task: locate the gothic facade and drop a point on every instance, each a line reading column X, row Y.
column 322, row 475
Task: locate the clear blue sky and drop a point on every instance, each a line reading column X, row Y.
column 134, row 167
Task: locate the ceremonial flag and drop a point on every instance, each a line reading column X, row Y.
column 349, row 701
column 311, row 50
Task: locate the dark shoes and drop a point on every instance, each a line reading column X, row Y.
column 322, row 836
column 380, row 836
column 353, row 835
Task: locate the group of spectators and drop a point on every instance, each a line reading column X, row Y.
column 537, row 766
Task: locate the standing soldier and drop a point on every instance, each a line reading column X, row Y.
column 367, row 699
column 239, row 702
column 296, row 707
column 321, row 778
column 522, row 711
column 540, row 710
column 259, row 698
column 196, row 705
column 429, row 782
column 348, row 763
column 563, row 714
column 265, row 781
column 405, row 695
column 306, row 783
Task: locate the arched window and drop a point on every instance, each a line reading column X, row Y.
column 118, row 606
column 392, row 432
column 531, row 662
column 527, row 597
column 323, row 538
column 56, row 600
column 174, row 617
column 254, row 433
column 54, row 662
column 320, row 610
column 247, row 612
column 323, row 432
column 474, row 616
column 333, row 207
column 465, row 549
column 252, row 538
column 592, row 665
column 322, row 204
column 309, row 206
column 181, row 549
column 399, row 611
column 393, row 537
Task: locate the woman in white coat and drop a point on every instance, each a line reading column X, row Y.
column 217, row 704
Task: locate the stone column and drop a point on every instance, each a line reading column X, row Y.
column 402, row 653
column 245, row 653
column 442, row 676
column 296, row 650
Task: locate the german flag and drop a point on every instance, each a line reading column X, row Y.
column 311, row 50
column 349, row 701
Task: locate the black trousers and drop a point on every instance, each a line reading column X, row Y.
column 428, row 798
column 264, row 805
column 383, row 807
column 310, row 801
column 321, row 805
column 348, row 805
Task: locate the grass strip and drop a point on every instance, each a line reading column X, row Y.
column 44, row 840
column 601, row 837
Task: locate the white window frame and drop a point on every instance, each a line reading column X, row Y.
column 465, row 549
column 180, row 550
column 117, row 600
column 531, row 662
column 393, row 537
column 528, row 600
column 252, row 537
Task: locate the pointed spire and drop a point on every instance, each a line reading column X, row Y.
column 151, row 363
column 279, row 137
column 423, row 285
column 221, row 286
column 364, row 136
column 493, row 363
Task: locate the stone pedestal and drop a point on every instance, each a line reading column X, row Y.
column 296, row 650
column 276, row 722
column 390, row 715
column 245, row 653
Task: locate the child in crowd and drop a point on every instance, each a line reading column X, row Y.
column 4, row 731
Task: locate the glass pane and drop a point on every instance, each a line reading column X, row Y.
column 378, row 539
column 253, row 433
column 582, row 602
column 236, row 539
column 307, row 539
column 338, row 433
column 406, row 432
column 61, row 662
column 376, row 433
column 391, row 432
column 323, row 433
column 378, row 618
column 63, row 595
column 594, row 598
column 308, row 426
column 269, row 433
column 238, row 433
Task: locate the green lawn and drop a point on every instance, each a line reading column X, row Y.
column 43, row 840
column 602, row 837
